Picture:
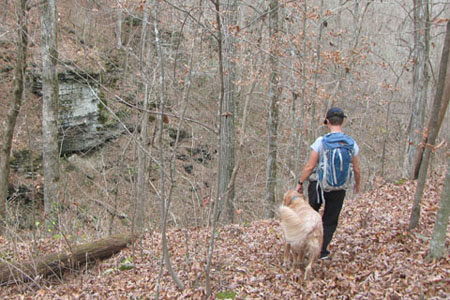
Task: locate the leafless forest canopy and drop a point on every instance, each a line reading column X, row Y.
column 357, row 55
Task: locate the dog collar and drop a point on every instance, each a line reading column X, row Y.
column 296, row 197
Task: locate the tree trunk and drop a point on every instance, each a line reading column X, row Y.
column 298, row 103
column 50, row 106
column 216, row 208
column 141, row 188
column 442, row 95
column 274, row 94
column 385, row 138
column 387, row 128
column 14, row 107
column 312, row 131
column 58, row 263
column 86, row 24
column 165, row 259
column 300, row 122
column 442, row 112
column 118, row 30
column 437, row 244
column 227, row 129
column 5, row 11
column 421, row 150
column 420, row 86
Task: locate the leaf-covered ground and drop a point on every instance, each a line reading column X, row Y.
column 373, row 257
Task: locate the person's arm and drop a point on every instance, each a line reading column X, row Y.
column 356, row 170
column 307, row 170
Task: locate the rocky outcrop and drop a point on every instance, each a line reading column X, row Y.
column 82, row 113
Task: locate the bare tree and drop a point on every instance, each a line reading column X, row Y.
column 437, row 244
column 274, row 94
column 50, row 105
column 141, row 183
column 118, row 31
column 227, row 128
column 5, row 10
column 420, row 85
column 14, row 106
column 141, row 188
column 312, row 131
column 441, row 100
column 165, row 259
column 216, row 211
column 299, row 123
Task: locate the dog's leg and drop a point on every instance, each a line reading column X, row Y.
column 313, row 255
column 287, row 254
column 294, row 259
column 301, row 257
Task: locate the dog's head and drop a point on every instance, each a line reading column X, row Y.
column 291, row 196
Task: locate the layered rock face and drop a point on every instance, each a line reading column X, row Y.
column 81, row 113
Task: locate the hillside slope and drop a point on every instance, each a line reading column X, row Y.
column 373, row 257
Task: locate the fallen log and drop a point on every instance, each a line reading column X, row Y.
column 58, row 263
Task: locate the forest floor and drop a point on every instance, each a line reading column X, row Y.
column 374, row 256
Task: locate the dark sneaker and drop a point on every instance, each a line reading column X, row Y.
column 324, row 254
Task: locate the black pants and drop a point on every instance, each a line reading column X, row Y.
column 333, row 205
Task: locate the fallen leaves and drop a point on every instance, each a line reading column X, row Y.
column 374, row 256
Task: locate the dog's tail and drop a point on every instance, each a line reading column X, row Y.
column 294, row 228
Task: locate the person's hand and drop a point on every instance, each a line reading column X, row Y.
column 356, row 188
column 299, row 188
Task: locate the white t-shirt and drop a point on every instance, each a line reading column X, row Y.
column 318, row 146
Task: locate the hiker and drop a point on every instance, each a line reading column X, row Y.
column 329, row 170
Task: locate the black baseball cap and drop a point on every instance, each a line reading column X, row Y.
column 334, row 112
